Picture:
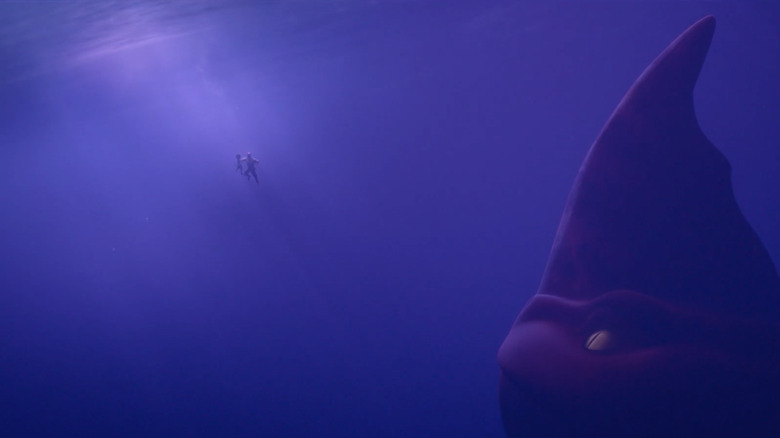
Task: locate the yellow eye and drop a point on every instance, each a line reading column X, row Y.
column 600, row 341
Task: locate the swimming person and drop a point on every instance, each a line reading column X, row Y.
column 250, row 166
column 239, row 168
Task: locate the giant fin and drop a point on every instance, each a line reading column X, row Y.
column 652, row 208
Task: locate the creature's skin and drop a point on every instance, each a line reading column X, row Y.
column 658, row 311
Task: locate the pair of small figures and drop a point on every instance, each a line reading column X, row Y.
column 250, row 163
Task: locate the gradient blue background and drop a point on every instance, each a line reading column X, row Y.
column 415, row 157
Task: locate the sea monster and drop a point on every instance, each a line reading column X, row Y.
column 658, row 314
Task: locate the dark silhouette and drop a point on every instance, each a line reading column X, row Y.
column 657, row 315
column 658, row 310
column 250, row 166
column 239, row 168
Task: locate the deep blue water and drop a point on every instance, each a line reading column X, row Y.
column 415, row 157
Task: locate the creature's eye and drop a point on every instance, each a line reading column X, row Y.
column 622, row 321
column 601, row 340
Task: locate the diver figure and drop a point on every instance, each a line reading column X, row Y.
column 250, row 166
column 239, row 168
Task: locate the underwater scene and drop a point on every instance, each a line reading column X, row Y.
column 389, row 218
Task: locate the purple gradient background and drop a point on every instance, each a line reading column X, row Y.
column 415, row 157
